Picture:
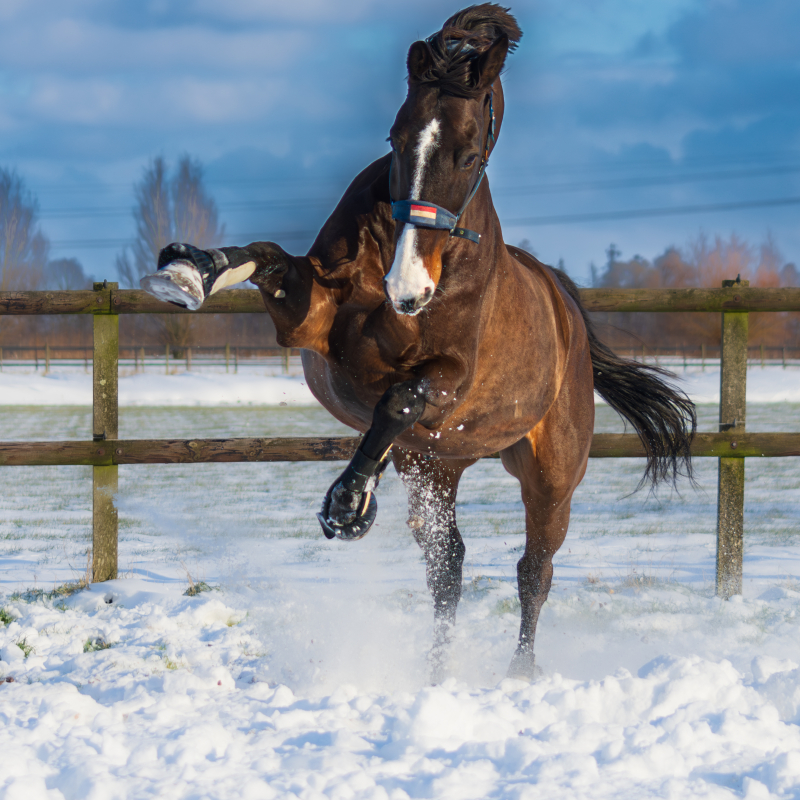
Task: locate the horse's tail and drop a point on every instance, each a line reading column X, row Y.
column 663, row 416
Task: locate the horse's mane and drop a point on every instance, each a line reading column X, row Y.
column 454, row 49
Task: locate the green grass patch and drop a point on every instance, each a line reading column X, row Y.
column 92, row 645
column 26, row 648
column 198, row 588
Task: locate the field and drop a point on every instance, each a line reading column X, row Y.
column 300, row 672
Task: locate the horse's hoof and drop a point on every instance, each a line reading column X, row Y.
column 523, row 667
column 180, row 282
column 353, row 530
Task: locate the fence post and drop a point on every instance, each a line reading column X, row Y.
column 188, row 359
column 105, row 430
column 732, row 411
column 166, row 360
column 285, row 354
column 227, row 356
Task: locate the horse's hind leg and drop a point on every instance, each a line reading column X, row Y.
column 432, row 485
column 549, row 464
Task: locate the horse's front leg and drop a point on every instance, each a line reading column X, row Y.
column 349, row 507
column 187, row 275
column 432, row 484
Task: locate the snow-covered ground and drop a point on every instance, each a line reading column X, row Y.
column 267, row 386
column 302, row 673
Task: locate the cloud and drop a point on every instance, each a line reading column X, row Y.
column 597, row 88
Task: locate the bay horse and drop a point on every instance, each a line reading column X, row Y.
column 421, row 328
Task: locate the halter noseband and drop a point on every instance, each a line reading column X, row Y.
column 429, row 215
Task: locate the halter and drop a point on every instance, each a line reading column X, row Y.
column 429, row 215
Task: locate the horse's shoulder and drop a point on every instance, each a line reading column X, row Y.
column 557, row 283
column 532, row 264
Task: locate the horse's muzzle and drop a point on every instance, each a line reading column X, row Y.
column 410, row 306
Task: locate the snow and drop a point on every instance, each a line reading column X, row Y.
column 265, row 386
column 302, row 672
column 202, row 387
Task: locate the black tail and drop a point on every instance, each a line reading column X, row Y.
column 663, row 416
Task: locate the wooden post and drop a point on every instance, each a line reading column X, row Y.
column 732, row 410
column 227, row 357
column 105, row 431
column 166, row 359
column 141, row 357
column 236, row 360
column 762, row 355
column 46, row 358
column 188, row 359
column 1, row 358
column 703, row 356
column 286, row 352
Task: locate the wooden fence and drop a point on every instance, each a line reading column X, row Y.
column 105, row 452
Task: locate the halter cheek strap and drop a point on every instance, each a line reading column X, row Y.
column 429, row 215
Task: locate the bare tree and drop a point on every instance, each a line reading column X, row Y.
column 23, row 247
column 65, row 274
column 169, row 209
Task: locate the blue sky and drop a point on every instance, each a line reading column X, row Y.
column 613, row 106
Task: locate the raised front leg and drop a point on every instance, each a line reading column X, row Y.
column 186, row 275
column 349, row 507
column 432, row 485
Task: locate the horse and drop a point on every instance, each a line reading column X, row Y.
column 422, row 329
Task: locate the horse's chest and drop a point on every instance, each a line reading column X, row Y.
column 369, row 348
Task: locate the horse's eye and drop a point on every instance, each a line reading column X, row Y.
column 470, row 162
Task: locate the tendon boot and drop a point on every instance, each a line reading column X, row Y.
column 186, row 275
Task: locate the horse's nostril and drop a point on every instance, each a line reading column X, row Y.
column 428, row 293
column 407, row 306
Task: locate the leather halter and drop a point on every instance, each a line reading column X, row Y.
column 429, row 215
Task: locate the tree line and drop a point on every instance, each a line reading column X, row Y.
column 703, row 262
column 173, row 204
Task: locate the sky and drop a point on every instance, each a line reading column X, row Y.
column 642, row 123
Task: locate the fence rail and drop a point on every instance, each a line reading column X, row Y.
column 106, row 452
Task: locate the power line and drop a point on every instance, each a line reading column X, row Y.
column 555, row 219
column 103, row 244
column 545, row 188
column 560, row 219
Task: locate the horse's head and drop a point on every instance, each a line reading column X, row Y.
column 441, row 140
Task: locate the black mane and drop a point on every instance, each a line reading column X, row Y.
column 454, row 50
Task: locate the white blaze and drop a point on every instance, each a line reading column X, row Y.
column 408, row 279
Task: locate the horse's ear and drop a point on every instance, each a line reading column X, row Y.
column 419, row 60
column 489, row 65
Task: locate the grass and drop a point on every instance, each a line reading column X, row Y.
column 5, row 617
column 198, row 588
column 92, row 645
column 510, row 605
column 26, row 648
